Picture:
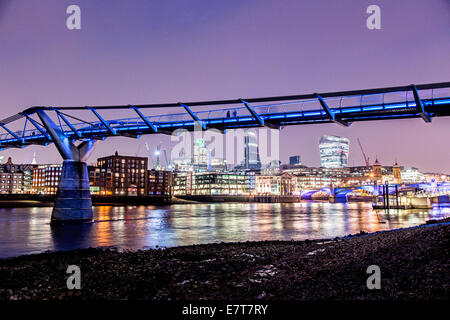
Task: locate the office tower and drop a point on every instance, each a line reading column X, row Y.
column 251, row 151
column 200, row 159
column 295, row 160
column 333, row 151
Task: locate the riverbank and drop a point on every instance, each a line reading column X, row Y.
column 37, row 200
column 414, row 264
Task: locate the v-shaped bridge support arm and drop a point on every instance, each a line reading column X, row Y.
column 73, row 200
column 66, row 148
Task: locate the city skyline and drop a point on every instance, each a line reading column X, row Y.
column 204, row 165
column 101, row 65
column 210, row 152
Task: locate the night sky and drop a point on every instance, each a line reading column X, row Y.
column 135, row 52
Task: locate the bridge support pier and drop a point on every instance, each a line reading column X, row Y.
column 73, row 198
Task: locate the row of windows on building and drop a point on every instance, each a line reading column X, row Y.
column 135, row 179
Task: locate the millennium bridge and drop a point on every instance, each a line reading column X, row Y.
column 76, row 130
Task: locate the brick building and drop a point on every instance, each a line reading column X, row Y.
column 160, row 182
column 122, row 175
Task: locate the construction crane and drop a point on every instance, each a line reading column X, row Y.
column 138, row 150
column 149, row 154
column 366, row 159
column 167, row 162
column 158, row 150
column 157, row 153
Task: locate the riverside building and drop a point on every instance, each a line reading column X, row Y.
column 160, row 182
column 280, row 185
column 46, row 178
column 213, row 183
column 16, row 178
column 122, row 175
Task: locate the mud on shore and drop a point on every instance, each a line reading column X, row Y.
column 414, row 264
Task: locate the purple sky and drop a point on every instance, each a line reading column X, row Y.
column 131, row 52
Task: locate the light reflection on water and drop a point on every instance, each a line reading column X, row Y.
column 27, row 230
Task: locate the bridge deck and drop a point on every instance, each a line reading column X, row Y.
column 432, row 100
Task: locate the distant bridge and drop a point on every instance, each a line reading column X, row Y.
column 340, row 194
column 64, row 126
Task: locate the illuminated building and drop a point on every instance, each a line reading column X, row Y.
column 397, row 173
column 333, row 151
column 251, row 151
column 250, row 180
column 46, row 178
column 217, row 164
column 293, row 168
column 361, row 171
column 160, row 182
column 213, row 183
column 182, row 183
column 182, row 164
column 15, row 178
column 411, row 175
column 94, row 179
column 273, row 167
column 123, row 175
column 316, row 171
column 200, row 160
column 434, row 176
column 354, row 181
column 376, row 172
column 282, row 185
column 312, row 182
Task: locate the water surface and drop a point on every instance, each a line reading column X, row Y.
column 27, row 230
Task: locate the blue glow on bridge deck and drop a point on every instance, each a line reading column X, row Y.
column 283, row 113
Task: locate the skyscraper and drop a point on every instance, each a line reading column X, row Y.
column 200, row 159
column 251, row 151
column 333, row 151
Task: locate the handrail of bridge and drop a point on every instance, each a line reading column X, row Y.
column 426, row 101
column 440, row 85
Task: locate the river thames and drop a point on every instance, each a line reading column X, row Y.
column 28, row 230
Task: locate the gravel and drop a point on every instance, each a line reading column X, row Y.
column 414, row 264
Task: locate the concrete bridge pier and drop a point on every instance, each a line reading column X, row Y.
column 73, row 198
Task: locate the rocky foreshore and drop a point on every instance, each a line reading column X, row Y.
column 414, row 264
